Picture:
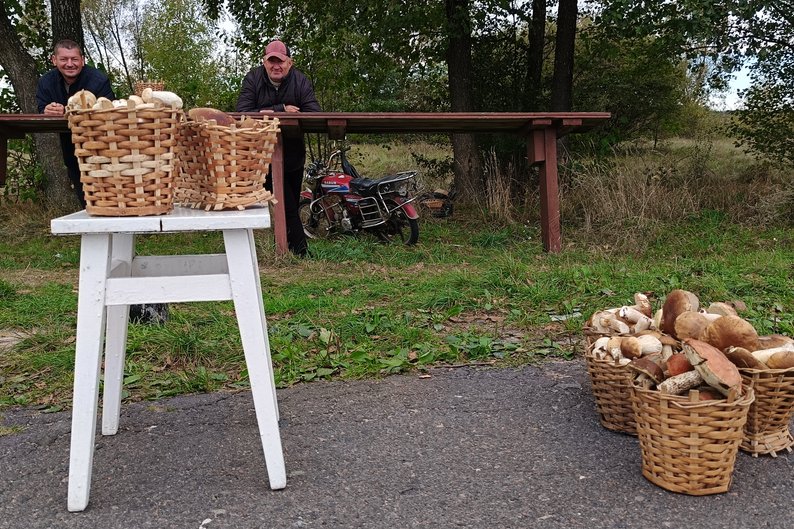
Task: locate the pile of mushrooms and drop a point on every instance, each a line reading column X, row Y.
column 682, row 346
column 84, row 100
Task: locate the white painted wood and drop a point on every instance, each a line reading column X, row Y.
column 180, row 219
column 185, row 219
column 179, row 265
column 112, row 278
column 172, row 289
column 94, row 267
column 244, row 276
column 262, row 318
column 123, row 245
column 82, row 222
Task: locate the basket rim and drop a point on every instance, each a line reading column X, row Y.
column 683, row 402
column 770, row 371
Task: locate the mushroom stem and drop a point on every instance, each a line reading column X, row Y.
column 679, row 384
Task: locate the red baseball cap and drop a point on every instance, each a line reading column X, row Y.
column 277, row 49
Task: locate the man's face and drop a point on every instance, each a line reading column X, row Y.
column 69, row 62
column 277, row 69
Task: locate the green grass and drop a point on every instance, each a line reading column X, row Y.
column 473, row 290
column 467, row 293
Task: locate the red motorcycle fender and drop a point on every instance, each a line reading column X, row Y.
column 410, row 210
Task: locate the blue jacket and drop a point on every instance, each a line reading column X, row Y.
column 52, row 88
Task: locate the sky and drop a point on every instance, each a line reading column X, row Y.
column 730, row 100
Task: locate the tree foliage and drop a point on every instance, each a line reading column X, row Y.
column 177, row 48
column 728, row 33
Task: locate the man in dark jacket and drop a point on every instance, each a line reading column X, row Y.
column 69, row 76
column 277, row 87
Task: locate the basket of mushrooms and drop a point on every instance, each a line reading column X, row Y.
column 728, row 386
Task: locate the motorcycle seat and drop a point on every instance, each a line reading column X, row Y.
column 368, row 185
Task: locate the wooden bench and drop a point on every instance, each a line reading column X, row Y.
column 541, row 131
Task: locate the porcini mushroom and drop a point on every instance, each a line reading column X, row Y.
column 731, row 331
column 676, row 302
column 690, row 324
column 781, row 360
column 680, row 383
column 721, row 308
column 715, row 368
column 763, row 355
column 743, row 358
column 649, row 372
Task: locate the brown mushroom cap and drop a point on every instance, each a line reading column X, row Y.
column 207, row 114
column 743, row 358
column 678, row 364
column 773, row 340
column 781, row 360
column 718, row 372
column 723, row 309
column 647, row 367
column 630, row 347
column 731, row 331
column 675, row 303
column 690, row 324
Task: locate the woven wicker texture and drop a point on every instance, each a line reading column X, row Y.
column 767, row 428
column 224, row 167
column 611, row 388
column 689, row 446
column 140, row 86
column 125, row 157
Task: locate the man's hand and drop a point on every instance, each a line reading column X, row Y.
column 54, row 109
column 291, row 108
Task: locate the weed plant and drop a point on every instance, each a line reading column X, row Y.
column 477, row 289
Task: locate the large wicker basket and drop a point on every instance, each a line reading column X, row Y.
column 224, row 167
column 689, row 446
column 126, row 158
column 611, row 389
column 767, row 428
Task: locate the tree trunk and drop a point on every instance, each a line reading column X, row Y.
column 562, row 83
column 537, row 40
column 21, row 71
column 468, row 182
column 67, row 22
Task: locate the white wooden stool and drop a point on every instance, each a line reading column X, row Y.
column 112, row 278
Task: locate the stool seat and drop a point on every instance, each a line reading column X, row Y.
column 113, row 277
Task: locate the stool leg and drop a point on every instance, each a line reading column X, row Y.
column 94, row 268
column 244, row 279
column 252, row 245
column 116, row 337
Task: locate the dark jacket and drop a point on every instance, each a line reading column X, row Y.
column 258, row 93
column 52, row 89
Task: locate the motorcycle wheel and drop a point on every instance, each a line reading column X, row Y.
column 401, row 228
column 315, row 226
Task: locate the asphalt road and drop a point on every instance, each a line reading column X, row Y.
column 467, row 447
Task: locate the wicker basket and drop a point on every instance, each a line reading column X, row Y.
column 224, row 167
column 611, row 388
column 140, row 86
column 767, row 428
column 689, row 446
column 126, row 159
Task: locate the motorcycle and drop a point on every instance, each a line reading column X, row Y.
column 339, row 200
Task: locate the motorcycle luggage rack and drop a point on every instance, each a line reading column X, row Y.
column 370, row 212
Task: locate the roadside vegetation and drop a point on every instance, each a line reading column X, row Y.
column 478, row 289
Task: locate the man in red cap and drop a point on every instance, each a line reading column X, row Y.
column 278, row 87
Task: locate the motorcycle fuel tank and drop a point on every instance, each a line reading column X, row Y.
column 336, row 183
